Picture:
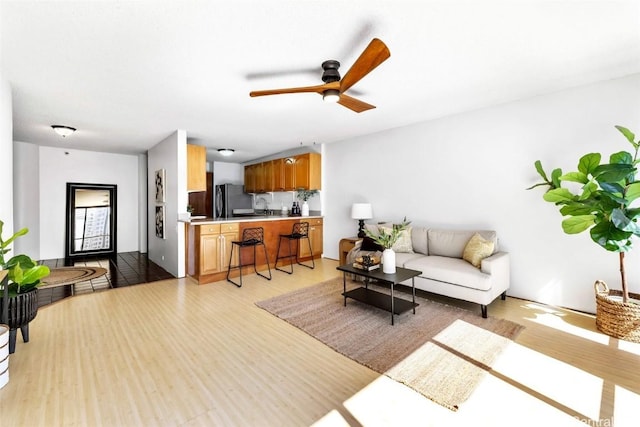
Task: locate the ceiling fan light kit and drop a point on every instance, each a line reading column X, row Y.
column 334, row 87
column 331, row 95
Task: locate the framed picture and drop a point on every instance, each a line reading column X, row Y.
column 160, row 221
column 160, row 191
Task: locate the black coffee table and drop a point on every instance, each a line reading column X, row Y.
column 378, row 299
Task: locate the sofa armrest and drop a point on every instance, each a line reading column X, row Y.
column 497, row 265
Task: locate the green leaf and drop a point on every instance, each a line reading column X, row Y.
column 589, row 162
column 575, row 177
column 555, row 177
column 19, row 233
column 633, row 213
column 34, row 274
column 558, row 195
column 620, row 220
column 577, row 224
column 575, row 209
column 628, row 134
column 621, row 157
column 614, row 187
column 612, row 172
column 541, row 171
column 611, row 238
column 633, row 192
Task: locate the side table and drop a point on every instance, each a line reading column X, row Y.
column 345, row 246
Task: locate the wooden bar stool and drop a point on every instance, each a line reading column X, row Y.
column 299, row 231
column 251, row 237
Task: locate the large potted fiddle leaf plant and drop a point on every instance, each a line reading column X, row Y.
column 19, row 302
column 600, row 197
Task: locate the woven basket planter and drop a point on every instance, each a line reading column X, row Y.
column 614, row 317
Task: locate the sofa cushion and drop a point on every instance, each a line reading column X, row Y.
column 451, row 243
column 477, row 249
column 419, row 240
column 404, row 257
column 450, row 270
column 403, row 244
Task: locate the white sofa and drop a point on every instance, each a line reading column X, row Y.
column 438, row 254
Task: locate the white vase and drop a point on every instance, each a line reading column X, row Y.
column 388, row 261
column 305, row 208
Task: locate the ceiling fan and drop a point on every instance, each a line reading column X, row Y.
column 334, row 88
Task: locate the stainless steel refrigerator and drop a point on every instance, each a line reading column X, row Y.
column 229, row 197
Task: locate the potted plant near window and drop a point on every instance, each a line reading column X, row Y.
column 305, row 195
column 600, row 199
column 387, row 237
column 19, row 302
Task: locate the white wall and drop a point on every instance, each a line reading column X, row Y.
column 228, row 173
column 142, row 203
column 6, row 156
column 54, row 168
column 471, row 171
column 26, row 201
column 169, row 154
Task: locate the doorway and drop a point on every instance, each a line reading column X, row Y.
column 91, row 220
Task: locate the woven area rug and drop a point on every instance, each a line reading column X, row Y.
column 442, row 352
column 70, row 275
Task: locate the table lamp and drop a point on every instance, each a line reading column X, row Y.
column 361, row 211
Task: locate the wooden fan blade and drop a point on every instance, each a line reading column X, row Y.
column 375, row 54
column 318, row 89
column 354, row 104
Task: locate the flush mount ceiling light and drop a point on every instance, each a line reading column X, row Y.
column 63, row 131
column 226, row 151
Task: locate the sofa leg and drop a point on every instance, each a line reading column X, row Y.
column 484, row 310
column 503, row 296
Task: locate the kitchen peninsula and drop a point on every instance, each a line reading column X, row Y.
column 208, row 243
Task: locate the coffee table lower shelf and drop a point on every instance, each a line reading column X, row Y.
column 379, row 300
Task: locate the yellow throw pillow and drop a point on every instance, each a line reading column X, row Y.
column 477, row 249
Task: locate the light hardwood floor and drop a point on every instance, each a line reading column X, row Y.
column 175, row 353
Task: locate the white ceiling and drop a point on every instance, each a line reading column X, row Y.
column 127, row 74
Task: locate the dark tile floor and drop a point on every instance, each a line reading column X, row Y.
column 125, row 269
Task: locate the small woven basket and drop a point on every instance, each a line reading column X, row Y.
column 614, row 317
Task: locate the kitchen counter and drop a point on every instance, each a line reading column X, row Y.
column 209, row 242
column 249, row 218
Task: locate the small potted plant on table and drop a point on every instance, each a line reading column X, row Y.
column 305, row 195
column 386, row 238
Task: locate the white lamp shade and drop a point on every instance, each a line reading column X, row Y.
column 361, row 211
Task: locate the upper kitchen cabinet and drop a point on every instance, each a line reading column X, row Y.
column 261, row 179
column 307, row 171
column 277, row 167
column 250, row 178
column 287, row 174
column 196, row 168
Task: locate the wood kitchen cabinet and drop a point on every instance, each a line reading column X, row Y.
column 213, row 247
column 286, row 174
column 316, row 230
column 208, row 246
column 261, row 185
column 268, row 176
column 289, row 173
column 277, row 168
column 307, row 171
column 250, row 178
column 196, row 168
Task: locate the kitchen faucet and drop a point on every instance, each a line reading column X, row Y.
column 264, row 201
